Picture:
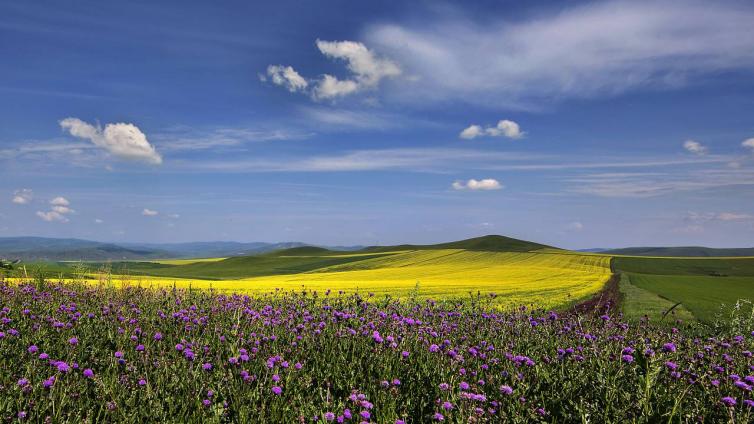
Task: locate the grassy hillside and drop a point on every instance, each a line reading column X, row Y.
column 682, row 251
column 741, row 267
column 702, row 285
column 638, row 303
column 309, row 258
column 542, row 279
column 491, row 243
column 703, row 296
column 282, row 262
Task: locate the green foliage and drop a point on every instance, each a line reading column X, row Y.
column 710, row 267
column 639, row 303
column 333, row 338
column 702, row 296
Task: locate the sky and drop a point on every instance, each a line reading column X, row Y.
column 575, row 124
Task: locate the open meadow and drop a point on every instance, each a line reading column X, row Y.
column 482, row 330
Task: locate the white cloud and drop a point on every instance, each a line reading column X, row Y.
column 59, row 207
column 174, row 216
column 330, row 87
column 149, row 212
column 52, row 216
column 62, row 209
column 504, row 127
column 287, row 77
column 98, row 221
column 60, row 201
column 748, row 144
column 23, row 196
column 594, row 49
column 697, row 217
column 472, row 184
column 732, row 216
column 695, row 147
column 123, row 140
column 367, row 70
column 472, row 131
column 640, row 185
column 362, row 62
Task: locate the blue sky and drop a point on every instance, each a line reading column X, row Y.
column 578, row 124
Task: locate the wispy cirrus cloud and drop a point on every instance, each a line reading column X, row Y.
column 591, row 50
column 190, row 139
column 644, row 185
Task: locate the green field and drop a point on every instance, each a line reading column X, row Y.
column 514, row 271
column 705, row 287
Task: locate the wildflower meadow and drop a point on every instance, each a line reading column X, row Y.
column 82, row 353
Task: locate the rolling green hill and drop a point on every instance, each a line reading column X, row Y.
column 490, row 243
column 309, row 258
column 703, row 286
column 682, row 251
column 713, row 267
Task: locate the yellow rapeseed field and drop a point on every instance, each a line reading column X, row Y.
column 547, row 279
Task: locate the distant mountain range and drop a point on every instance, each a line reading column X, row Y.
column 53, row 249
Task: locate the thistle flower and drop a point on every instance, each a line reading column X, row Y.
column 728, row 401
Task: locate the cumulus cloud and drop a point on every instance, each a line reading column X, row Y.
column 285, row 76
column 366, row 69
column 472, row 131
column 505, row 128
column 748, row 144
column 59, row 208
column 590, row 50
column 51, row 216
column 149, row 212
column 23, row 196
column 60, row 201
column 330, row 87
column 472, row 184
column 122, row 140
column 695, row 147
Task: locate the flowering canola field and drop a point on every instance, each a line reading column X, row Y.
column 547, row 280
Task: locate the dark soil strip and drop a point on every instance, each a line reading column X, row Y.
column 605, row 301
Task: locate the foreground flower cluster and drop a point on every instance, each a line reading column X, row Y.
column 75, row 353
